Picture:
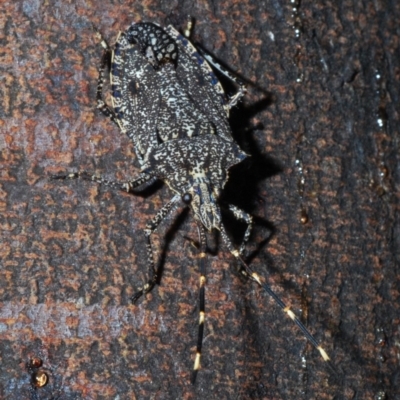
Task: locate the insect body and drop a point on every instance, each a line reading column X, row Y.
column 168, row 101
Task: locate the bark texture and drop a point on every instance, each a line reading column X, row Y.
column 321, row 122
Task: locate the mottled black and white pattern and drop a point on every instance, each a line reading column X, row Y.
column 168, row 101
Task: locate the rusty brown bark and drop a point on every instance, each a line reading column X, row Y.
column 323, row 183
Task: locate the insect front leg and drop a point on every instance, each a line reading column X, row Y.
column 126, row 186
column 150, row 228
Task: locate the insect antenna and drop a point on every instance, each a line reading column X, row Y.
column 256, row 278
column 202, row 256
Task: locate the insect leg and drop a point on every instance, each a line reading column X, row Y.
column 248, row 219
column 202, row 256
column 124, row 186
column 242, row 88
column 105, row 62
column 254, row 276
column 150, row 228
column 187, row 31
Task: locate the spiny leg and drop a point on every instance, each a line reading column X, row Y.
column 105, row 62
column 202, row 256
column 242, row 88
column 277, row 299
column 150, row 228
column 124, row 186
column 248, row 219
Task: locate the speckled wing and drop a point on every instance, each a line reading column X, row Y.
column 163, row 90
column 136, row 96
column 201, row 84
column 178, row 115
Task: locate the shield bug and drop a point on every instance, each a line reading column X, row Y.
column 167, row 99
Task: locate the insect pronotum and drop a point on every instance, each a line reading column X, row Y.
column 168, row 101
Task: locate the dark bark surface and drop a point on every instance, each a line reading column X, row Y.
column 321, row 122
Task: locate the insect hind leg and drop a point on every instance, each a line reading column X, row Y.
column 233, row 100
column 211, row 60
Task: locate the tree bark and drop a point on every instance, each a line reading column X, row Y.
column 320, row 122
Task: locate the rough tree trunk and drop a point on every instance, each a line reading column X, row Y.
column 321, row 122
